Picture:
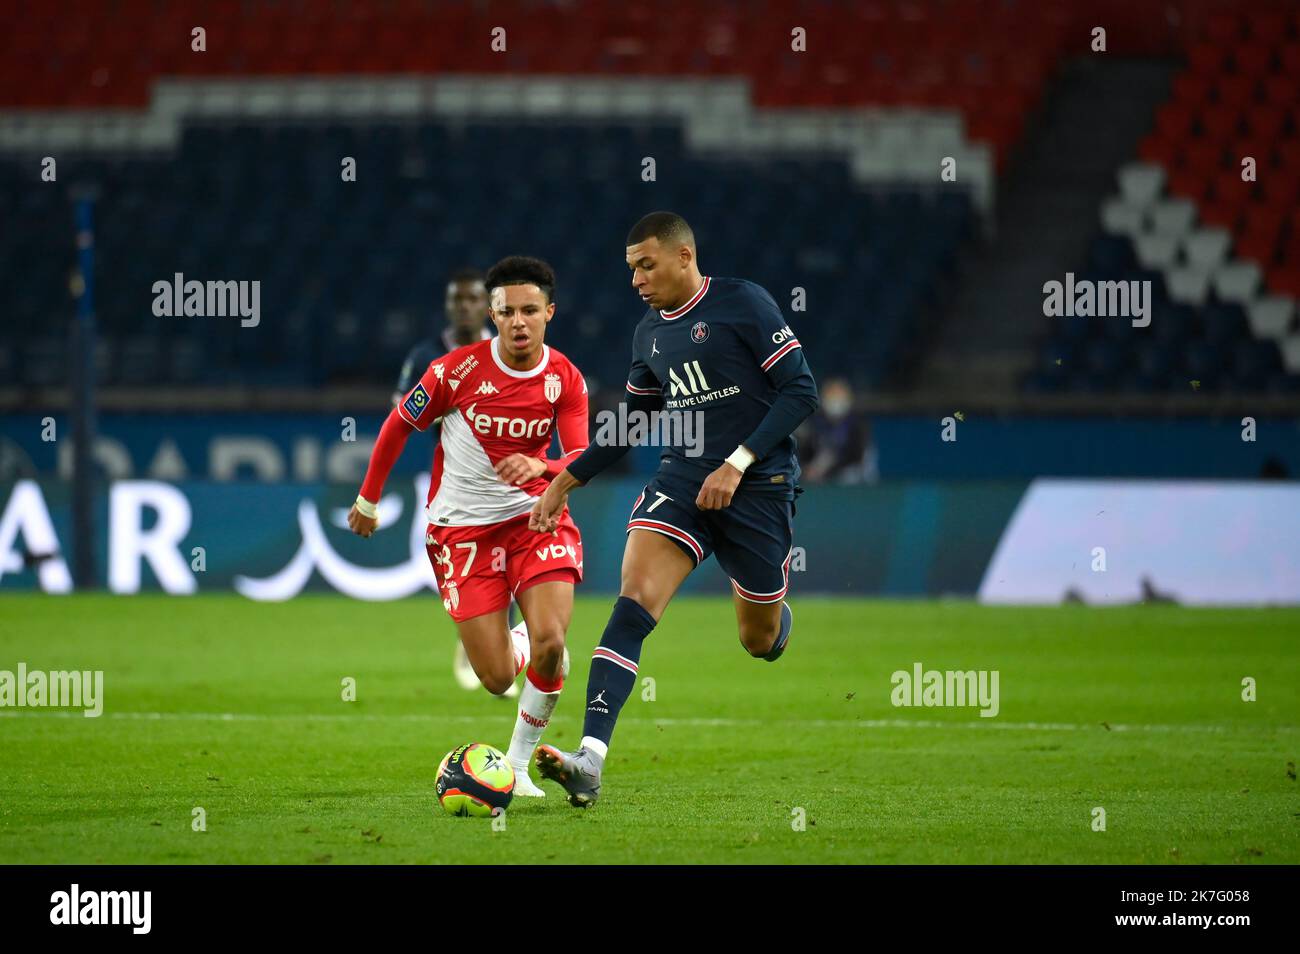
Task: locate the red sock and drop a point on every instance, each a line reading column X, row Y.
column 542, row 683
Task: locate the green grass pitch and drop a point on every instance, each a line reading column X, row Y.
column 236, row 707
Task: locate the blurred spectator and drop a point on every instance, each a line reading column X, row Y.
column 835, row 443
column 1274, row 468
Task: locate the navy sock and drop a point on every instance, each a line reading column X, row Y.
column 613, row 667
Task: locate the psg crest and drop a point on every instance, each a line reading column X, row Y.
column 699, row 332
column 552, row 387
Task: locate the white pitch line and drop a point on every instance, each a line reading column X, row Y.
column 976, row 723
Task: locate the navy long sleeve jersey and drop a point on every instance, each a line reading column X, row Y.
column 729, row 354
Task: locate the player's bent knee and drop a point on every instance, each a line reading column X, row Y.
column 547, row 645
column 496, row 683
column 643, row 596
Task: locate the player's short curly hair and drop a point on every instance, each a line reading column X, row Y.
column 522, row 270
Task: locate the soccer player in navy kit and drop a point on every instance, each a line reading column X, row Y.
column 719, row 346
column 465, row 309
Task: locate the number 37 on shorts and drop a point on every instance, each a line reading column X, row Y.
column 479, row 568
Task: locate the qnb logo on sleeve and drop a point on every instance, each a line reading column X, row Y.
column 416, row 402
column 133, row 908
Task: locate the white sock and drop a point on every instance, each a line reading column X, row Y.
column 592, row 744
column 521, row 648
column 535, row 708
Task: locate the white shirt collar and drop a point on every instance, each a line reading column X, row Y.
column 514, row 373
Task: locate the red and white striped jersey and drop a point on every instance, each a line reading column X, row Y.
column 489, row 411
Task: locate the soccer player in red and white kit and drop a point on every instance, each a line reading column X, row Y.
column 498, row 402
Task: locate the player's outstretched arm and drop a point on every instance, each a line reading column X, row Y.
column 363, row 518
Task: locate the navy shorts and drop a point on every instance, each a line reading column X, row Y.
column 751, row 537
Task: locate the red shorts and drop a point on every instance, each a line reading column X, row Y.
column 480, row 568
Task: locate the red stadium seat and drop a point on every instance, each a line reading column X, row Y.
column 1207, row 57
column 1285, row 278
column 1265, row 123
column 1290, row 59
column 1192, row 89
column 1267, row 26
column 1202, row 156
column 1159, row 149
column 1220, row 122
column 1236, row 90
column 1187, row 184
column 1257, row 246
column 1253, row 59
column 1282, row 91
column 1224, row 28
column 1174, row 120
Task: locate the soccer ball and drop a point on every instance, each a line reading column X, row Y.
column 475, row 779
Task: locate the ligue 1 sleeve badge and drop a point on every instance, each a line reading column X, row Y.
column 699, row 332
column 551, row 387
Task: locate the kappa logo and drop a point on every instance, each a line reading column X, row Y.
column 487, row 387
column 437, row 371
column 699, row 332
column 552, row 387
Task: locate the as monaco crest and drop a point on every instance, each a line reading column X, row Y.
column 552, row 387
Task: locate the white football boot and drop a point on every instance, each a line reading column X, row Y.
column 526, row 787
column 466, row 678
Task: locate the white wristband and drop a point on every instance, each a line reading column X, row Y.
column 366, row 508
column 741, row 458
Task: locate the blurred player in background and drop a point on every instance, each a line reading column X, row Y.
column 498, row 402
column 719, row 347
column 465, row 316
